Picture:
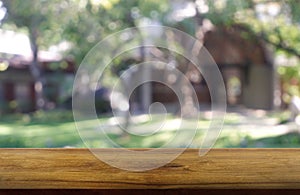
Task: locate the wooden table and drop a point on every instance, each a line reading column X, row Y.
column 241, row 170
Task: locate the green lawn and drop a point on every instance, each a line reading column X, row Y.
column 38, row 130
column 57, row 129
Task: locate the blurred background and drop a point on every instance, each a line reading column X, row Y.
column 255, row 43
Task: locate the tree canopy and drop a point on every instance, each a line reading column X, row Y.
column 85, row 22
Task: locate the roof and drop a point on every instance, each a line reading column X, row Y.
column 233, row 45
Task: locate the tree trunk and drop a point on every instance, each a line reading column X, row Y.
column 37, row 73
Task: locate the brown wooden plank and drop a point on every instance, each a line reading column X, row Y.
column 219, row 169
column 152, row 191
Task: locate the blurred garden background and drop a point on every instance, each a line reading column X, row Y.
column 255, row 43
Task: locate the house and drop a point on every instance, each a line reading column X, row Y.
column 246, row 65
column 17, row 92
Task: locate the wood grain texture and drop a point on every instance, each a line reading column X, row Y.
column 219, row 169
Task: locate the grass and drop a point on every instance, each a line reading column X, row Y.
column 38, row 130
column 57, row 129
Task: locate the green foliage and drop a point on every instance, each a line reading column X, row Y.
column 225, row 12
column 39, row 18
column 290, row 78
column 294, row 9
